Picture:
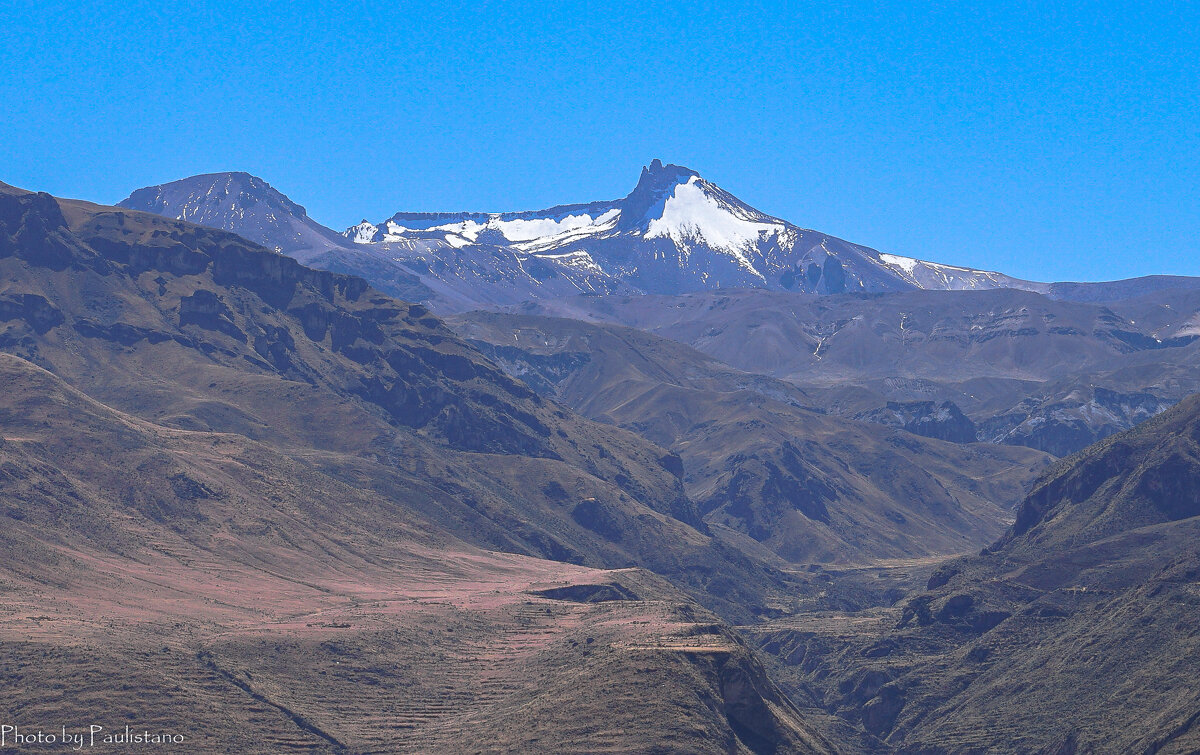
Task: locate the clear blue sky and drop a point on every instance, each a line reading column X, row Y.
column 1048, row 140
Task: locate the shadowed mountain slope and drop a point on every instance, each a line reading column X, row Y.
column 758, row 461
column 1074, row 633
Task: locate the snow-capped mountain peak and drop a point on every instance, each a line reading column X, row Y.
column 675, row 232
column 655, row 185
column 363, row 233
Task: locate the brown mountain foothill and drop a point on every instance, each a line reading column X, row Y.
column 281, row 548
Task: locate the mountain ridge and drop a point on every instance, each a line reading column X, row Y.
column 260, row 212
column 675, row 232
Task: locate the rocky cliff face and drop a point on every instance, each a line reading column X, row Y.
column 944, row 420
column 1064, row 424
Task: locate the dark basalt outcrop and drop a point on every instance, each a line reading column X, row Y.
column 35, row 230
column 40, row 314
column 944, row 420
column 589, row 593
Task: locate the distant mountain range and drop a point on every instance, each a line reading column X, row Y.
column 943, row 351
column 1023, row 368
column 674, row 233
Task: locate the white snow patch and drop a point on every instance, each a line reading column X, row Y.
column 528, row 230
column 605, row 222
column 525, row 231
column 578, row 259
column 691, row 214
column 907, row 264
column 468, row 229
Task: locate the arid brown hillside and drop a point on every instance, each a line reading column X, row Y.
column 198, row 329
column 204, row 584
column 258, row 495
